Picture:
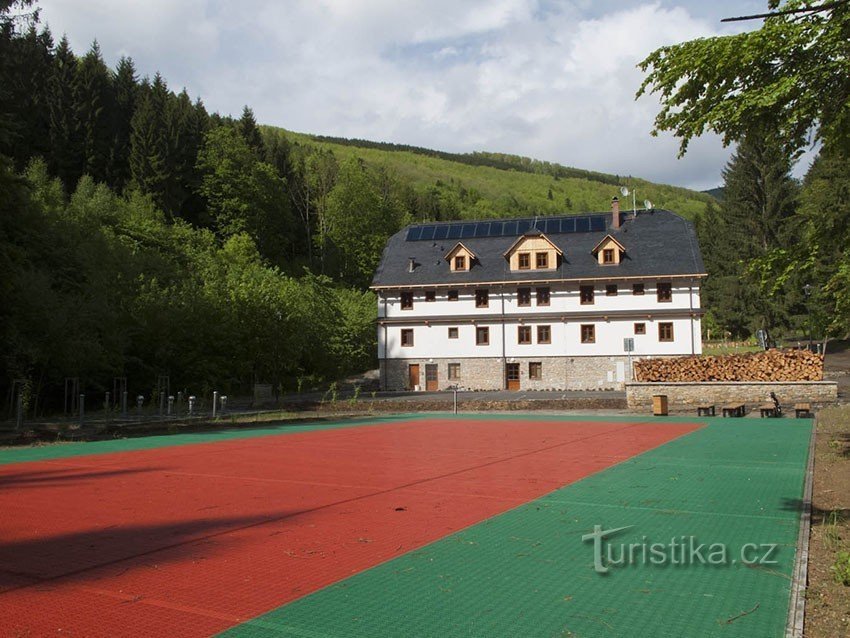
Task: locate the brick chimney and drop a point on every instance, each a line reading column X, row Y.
column 615, row 213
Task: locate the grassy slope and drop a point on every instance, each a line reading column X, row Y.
column 512, row 192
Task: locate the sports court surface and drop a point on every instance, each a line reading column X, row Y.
column 429, row 525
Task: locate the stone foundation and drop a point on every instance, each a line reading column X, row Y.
column 689, row 395
column 488, row 373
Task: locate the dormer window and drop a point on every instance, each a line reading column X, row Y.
column 460, row 258
column 524, row 261
column 541, row 260
column 609, row 252
column 533, row 251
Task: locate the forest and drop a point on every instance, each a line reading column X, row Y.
column 142, row 235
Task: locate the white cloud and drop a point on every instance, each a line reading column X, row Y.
column 548, row 81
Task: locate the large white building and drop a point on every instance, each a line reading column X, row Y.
column 543, row 303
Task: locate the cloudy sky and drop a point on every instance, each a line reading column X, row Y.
column 541, row 78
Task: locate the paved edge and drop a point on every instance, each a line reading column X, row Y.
column 797, row 603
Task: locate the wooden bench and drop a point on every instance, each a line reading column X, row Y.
column 767, row 410
column 705, row 410
column 733, row 409
column 802, row 410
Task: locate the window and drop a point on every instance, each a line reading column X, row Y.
column 611, row 290
column 452, row 295
column 523, row 296
column 430, row 295
column 482, row 336
column 454, row 372
column 586, row 295
column 544, row 334
column 637, row 289
column 640, row 328
column 535, row 370
column 407, row 337
column 482, row 299
column 523, row 334
column 543, row 296
column 453, row 333
column 460, row 262
column 524, row 261
column 665, row 331
column 588, row 333
column 665, row 292
column 541, row 260
column 608, row 256
column 407, row 301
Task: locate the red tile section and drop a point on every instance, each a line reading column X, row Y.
column 189, row 540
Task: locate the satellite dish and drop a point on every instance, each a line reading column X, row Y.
column 647, row 204
column 624, row 191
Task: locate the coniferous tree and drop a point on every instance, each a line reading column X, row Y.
column 250, row 132
column 31, row 65
column 65, row 157
column 94, row 102
column 125, row 87
column 753, row 219
column 149, row 143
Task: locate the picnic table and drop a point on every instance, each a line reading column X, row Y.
column 705, row 410
column 733, row 410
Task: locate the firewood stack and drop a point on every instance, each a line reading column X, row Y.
column 771, row 365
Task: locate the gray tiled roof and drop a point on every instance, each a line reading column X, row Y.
column 657, row 242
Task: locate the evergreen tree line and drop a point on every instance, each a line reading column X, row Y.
column 141, row 235
column 774, row 248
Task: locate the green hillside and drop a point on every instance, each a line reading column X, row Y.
column 482, row 185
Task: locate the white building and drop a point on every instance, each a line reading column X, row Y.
column 544, row 303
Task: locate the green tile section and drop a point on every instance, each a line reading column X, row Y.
column 527, row 572
column 67, row 450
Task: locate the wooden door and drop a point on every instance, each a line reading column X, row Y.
column 412, row 376
column 512, row 376
column 431, row 382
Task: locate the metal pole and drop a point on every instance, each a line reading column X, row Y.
column 82, row 408
column 170, row 404
column 106, row 407
column 215, row 401
column 124, row 403
column 20, row 416
column 162, row 405
column 455, row 393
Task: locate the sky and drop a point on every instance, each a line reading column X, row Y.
column 550, row 80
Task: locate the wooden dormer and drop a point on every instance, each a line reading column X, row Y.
column 533, row 251
column 609, row 252
column 460, row 258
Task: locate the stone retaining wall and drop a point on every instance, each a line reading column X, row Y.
column 689, row 395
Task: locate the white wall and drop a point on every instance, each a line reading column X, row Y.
column 564, row 298
column 432, row 341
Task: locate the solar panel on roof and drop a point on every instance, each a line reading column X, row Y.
column 512, row 228
column 482, row 229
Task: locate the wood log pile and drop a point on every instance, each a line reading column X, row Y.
column 770, row 365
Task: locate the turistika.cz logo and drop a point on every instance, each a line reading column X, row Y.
column 678, row 551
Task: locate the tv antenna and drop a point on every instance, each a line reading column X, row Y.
column 647, row 204
column 626, row 192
